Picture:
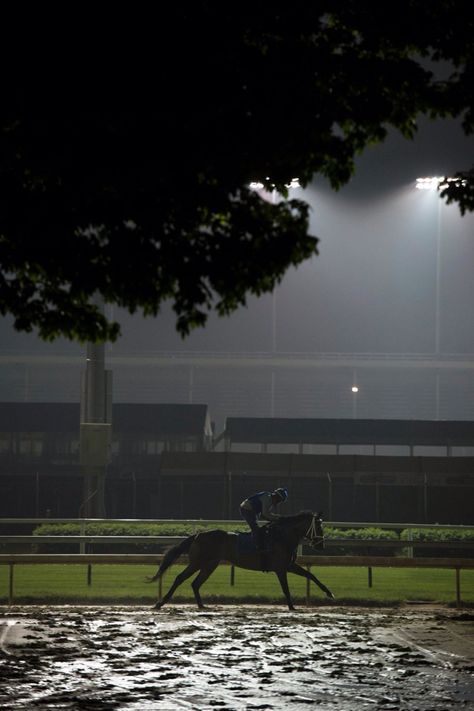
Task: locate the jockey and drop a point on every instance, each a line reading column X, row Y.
column 262, row 506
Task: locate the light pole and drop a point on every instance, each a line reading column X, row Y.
column 433, row 184
column 269, row 193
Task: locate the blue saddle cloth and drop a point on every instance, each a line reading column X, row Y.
column 246, row 543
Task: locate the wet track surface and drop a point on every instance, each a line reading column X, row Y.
column 100, row 659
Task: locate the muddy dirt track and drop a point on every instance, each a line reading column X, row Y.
column 99, row 659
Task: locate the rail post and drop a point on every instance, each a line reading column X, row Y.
column 89, row 574
column 410, row 539
column 458, row 586
column 369, row 571
column 308, row 568
column 232, row 575
column 82, row 531
column 10, row 583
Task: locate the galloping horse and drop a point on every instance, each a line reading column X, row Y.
column 207, row 549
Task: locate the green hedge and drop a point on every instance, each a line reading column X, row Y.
column 372, row 534
column 437, row 534
column 131, row 529
column 184, row 529
column 121, row 529
column 358, row 534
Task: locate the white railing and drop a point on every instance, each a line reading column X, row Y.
column 233, row 522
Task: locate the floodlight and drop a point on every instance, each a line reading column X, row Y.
column 258, row 185
column 434, row 182
column 429, row 183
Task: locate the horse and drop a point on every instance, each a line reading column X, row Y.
column 208, row 548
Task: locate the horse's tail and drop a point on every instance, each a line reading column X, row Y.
column 171, row 555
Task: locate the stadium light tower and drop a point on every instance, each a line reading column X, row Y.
column 268, row 192
column 433, row 183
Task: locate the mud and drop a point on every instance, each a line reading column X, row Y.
column 99, row 659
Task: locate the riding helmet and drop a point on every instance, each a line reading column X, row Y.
column 282, row 493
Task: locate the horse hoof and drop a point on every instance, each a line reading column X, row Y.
column 331, row 596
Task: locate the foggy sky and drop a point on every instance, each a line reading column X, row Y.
column 372, row 287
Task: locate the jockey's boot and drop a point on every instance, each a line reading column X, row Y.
column 263, row 552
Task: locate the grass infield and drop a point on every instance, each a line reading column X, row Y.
column 126, row 584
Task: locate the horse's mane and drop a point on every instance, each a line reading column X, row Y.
column 296, row 518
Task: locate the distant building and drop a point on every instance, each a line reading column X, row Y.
column 400, row 438
column 49, row 432
column 39, row 454
column 165, row 464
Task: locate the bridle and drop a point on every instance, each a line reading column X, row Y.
column 312, row 534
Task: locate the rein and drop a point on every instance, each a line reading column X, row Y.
column 312, row 533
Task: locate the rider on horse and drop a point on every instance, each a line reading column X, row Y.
column 262, row 505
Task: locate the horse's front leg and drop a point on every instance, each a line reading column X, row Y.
column 284, row 586
column 298, row 570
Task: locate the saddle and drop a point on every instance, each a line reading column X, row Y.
column 246, row 542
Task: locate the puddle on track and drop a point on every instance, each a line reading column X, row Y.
column 99, row 659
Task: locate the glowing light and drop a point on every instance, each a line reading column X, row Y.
column 434, row 182
column 355, row 389
column 428, row 183
column 258, row 185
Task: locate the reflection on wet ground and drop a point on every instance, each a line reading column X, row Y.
column 99, row 659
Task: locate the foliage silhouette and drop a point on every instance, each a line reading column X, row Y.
column 131, row 182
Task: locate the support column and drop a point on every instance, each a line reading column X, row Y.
column 95, row 431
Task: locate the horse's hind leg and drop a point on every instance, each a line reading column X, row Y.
column 204, row 573
column 184, row 575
